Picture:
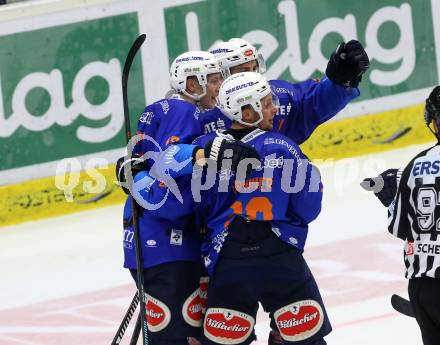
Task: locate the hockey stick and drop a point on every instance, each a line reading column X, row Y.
column 95, row 198
column 126, row 320
column 139, row 260
column 402, row 305
column 136, row 331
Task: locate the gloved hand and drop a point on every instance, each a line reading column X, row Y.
column 347, row 64
column 136, row 165
column 384, row 186
column 219, row 149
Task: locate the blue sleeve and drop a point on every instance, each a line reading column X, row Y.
column 163, row 201
column 174, row 162
column 305, row 205
column 179, row 125
column 167, row 122
column 148, row 124
column 303, row 186
column 306, row 105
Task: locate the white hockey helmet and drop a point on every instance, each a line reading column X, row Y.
column 238, row 90
column 235, row 52
column 197, row 64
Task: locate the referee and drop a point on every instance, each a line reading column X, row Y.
column 413, row 197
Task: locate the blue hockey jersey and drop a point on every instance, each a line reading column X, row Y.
column 303, row 107
column 165, row 122
column 286, row 191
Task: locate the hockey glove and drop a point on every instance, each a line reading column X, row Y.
column 135, row 163
column 220, row 149
column 347, row 64
column 384, row 186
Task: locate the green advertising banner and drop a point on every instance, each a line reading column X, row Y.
column 61, row 107
column 60, row 93
column 297, row 37
column 61, row 90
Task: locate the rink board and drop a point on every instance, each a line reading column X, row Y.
column 40, row 198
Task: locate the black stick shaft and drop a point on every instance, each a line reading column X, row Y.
column 136, row 332
column 139, row 260
column 126, row 320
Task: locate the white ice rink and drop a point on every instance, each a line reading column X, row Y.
column 62, row 281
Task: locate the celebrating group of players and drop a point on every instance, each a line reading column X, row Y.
column 226, row 196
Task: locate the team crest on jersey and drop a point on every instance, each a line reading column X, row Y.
column 146, row 117
column 165, row 106
column 299, row 320
column 227, row 326
column 158, row 314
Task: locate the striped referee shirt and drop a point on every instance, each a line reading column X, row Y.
column 414, row 215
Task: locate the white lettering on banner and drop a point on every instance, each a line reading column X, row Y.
column 399, row 60
column 58, row 113
column 290, row 58
column 404, row 50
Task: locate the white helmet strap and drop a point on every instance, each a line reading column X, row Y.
column 256, row 106
column 194, row 96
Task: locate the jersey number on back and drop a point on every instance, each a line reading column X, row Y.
column 257, row 205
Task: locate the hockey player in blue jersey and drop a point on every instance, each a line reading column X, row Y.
column 304, row 105
column 300, row 131
column 171, row 245
column 254, row 248
column 257, row 228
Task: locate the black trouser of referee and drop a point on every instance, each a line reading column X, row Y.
column 424, row 294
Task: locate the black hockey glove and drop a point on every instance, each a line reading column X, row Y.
column 219, row 149
column 384, row 186
column 347, row 64
column 136, row 165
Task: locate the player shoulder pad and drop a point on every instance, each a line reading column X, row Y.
column 282, row 145
column 204, row 138
column 212, row 112
column 281, row 87
column 207, row 115
column 182, row 108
